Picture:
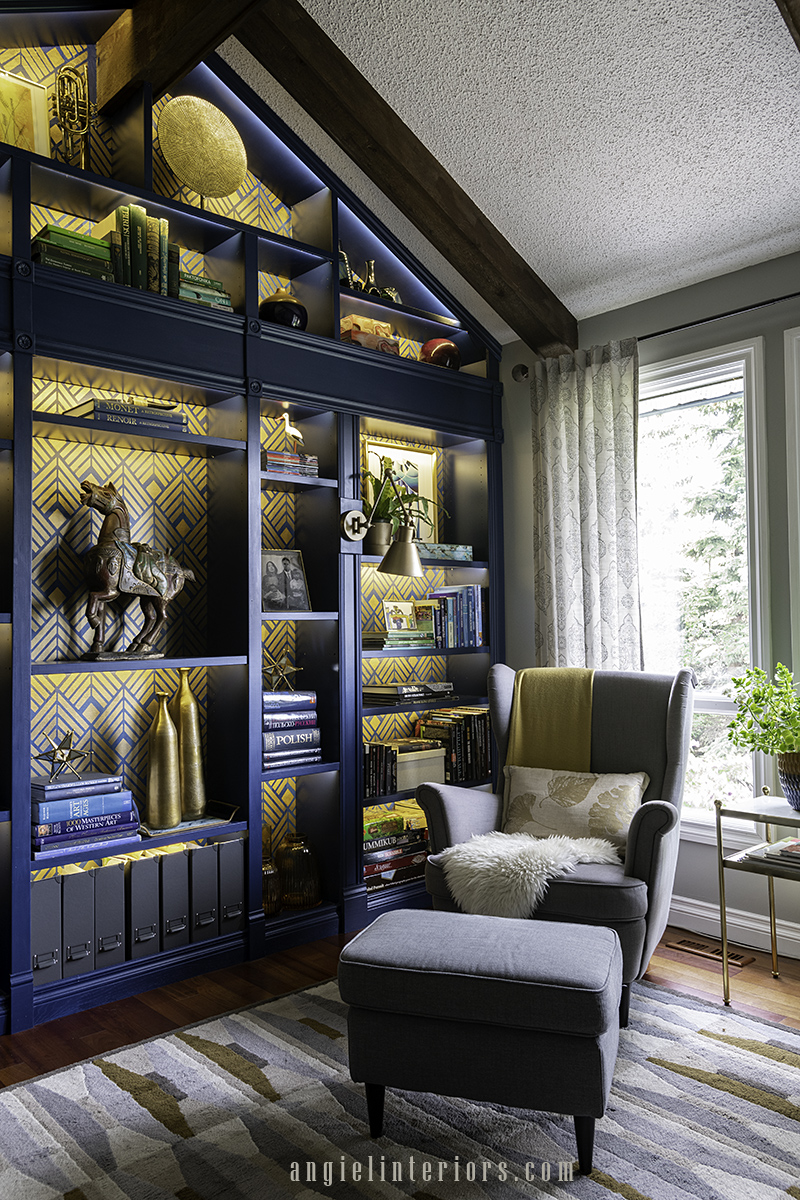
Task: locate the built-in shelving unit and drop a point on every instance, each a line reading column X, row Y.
column 201, row 493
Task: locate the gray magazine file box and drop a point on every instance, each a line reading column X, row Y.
column 77, row 923
column 174, row 899
column 203, row 894
column 141, row 894
column 46, row 930
column 231, row 886
column 109, row 915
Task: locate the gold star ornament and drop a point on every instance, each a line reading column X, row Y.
column 62, row 755
column 278, row 671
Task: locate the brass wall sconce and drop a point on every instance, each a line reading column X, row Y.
column 402, row 557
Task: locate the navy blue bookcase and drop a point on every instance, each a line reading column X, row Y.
column 62, row 335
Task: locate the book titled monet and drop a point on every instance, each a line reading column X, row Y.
column 46, row 811
column 290, row 739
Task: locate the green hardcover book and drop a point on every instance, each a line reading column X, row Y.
column 207, row 303
column 83, row 243
column 163, row 256
column 80, row 264
column 153, row 255
column 138, row 247
column 120, row 220
column 201, row 281
column 220, row 298
column 114, row 239
column 173, row 268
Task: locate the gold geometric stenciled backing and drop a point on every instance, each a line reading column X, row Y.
column 166, row 498
column 278, row 809
column 111, row 713
column 56, row 396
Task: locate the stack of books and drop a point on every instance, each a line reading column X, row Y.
column 394, row 858
column 384, row 763
column 287, row 463
column 397, row 639
column 460, row 617
column 85, row 813
column 78, row 252
column 151, row 415
column 385, row 694
column 199, row 289
column 465, row 733
column 290, row 735
column 139, row 247
column 786, row 852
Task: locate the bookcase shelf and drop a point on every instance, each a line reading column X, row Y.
column 202, row 494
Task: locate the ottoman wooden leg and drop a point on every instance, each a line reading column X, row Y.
column 584, row 1136
column 376, row 1094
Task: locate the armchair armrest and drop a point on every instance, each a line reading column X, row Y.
column 454, row 813
column 652, row 855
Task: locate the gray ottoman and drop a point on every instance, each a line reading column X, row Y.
column 521, row 1013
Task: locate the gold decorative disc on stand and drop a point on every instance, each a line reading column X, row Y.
column 201, row 146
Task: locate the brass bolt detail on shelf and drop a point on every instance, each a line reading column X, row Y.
column 23, row 268
column 254, row 326
column 24, row 341
column 255, row 386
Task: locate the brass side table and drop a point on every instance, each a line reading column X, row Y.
column 770, row 810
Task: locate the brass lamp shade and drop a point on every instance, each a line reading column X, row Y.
column 402, row 557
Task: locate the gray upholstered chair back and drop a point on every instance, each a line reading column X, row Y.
column 638, row 724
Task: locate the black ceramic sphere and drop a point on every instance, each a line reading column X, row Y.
column 282, row 308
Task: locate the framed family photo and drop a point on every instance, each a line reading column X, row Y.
column 283, row 582
column 24, row 119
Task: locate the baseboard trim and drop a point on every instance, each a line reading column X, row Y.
column 744, row 928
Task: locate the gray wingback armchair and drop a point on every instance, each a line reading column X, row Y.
column 640, row 722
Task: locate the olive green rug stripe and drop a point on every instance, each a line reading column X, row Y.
column 614, row 1185
column 319, row 1027
column 235, row 1064
column 78, row 1194
column 188, row 1193
column 733, row 1087
column 794, row 1192
column 776, row 1053
column 148, row 1094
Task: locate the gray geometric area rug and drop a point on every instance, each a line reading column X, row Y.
column 259, row 1105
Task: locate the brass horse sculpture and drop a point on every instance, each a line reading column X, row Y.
column 116, row 567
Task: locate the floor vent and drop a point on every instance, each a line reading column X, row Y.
column 736, row 958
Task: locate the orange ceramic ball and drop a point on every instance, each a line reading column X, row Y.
column 442, row 353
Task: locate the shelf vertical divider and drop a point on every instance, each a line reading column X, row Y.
column 256, row 923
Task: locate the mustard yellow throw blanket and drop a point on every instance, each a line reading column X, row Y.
column 551, row 719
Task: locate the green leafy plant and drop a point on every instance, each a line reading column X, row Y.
column 768, row 712
column 418, row 508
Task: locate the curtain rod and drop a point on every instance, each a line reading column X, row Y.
column 734, row 312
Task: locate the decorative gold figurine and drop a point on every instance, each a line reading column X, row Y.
column 270, row 880
column 62, row 755
column 163, row 770
column 186, row 718
column 278, row 671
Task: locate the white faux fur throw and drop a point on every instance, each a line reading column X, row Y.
column 506, row 874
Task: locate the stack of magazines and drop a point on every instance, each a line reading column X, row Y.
column 786, row 852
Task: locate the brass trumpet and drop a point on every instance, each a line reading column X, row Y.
column 73, row 112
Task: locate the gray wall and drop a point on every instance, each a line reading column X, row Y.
column 696, row 878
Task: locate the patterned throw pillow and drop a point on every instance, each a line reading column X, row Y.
column 576, row 804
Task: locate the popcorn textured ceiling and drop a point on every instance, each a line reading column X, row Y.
column 624, row 149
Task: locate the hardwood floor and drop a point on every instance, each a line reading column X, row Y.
column 110, row 1026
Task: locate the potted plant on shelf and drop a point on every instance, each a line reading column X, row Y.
column 768, row 719
column 388, row 514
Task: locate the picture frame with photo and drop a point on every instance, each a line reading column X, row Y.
column 414, row 469
column 283, row 582
column 399, row 615
column 24, row 120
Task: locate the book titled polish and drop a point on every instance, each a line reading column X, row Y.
column 69, row 809
column 290, row 739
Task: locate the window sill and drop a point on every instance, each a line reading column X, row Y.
column 737, row 835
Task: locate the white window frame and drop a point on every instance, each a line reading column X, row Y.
column 791, row 345
column 708, row 367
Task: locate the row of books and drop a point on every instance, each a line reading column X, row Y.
column 89, row 812
column 394, row 858
column 397, row 639
column 290, row 734
column 384, row 763
column 287, row 463
column 132, row 248
column 386, row 694
column 786, row 852
column 465, row 733
column 144, row 414
column 460, row 617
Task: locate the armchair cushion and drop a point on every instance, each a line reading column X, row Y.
column 542, row 802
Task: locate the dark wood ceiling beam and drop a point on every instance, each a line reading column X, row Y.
column 302, row 58
column 790, row 11
column 160, row 41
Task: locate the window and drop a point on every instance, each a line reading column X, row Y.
column 702, row 547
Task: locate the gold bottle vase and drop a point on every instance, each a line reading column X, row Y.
column 163, row 770
column 186, row 717
column 270, row 879
column 299, row 876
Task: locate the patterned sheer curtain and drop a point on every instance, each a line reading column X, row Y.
column 586, row 580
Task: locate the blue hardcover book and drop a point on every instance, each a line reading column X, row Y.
column 291, row 719
column 112, row 845
column 70, row 785
column 282, row 701
column 82, row 824
column 81, row 806
column 290, row 739
column 81, row 838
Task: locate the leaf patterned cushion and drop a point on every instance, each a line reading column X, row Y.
column 542, row 802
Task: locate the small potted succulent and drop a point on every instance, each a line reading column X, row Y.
column 768, row 719
column 388, row 515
